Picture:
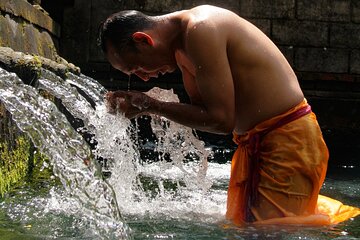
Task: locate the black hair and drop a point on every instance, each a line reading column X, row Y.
column 119, row 27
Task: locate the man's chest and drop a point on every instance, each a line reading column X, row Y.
column 188, row 74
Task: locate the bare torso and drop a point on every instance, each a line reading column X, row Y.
column 261, row 84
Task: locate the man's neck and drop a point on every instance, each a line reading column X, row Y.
column 170, row 30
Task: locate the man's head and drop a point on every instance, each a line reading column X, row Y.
column 131, row 43
column 119, row 28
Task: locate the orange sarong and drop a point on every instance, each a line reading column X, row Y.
column 277, row 172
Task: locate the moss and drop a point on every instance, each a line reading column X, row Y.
column 33, row 64
column 36, row 62
column 13, row 162
column 41, row 169
column 22, row 26
column 47, row 95
column 19, row 160
column 20, row 163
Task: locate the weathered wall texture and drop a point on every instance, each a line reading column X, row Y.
column 28, row 29
column 317, row 37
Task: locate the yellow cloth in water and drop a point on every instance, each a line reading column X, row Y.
column 291, row 170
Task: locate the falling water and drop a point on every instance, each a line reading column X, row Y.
column 70, row 156
column 74, row 102
column 176, row 185
column 88, row 85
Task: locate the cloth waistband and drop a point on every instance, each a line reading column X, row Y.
column 266, row 126
column 251, row 140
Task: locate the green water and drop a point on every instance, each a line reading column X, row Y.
column 30, row 212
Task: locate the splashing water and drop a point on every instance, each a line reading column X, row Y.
column 151, row 188
column 181, row 144
column 176, row 187
column 51, row 133
column 141, row 188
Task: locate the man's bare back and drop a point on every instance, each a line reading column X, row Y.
column 263, row 82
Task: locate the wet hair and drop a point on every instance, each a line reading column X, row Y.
column 119, row 27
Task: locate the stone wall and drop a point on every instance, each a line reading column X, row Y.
column 321, row 37
column 28, row 28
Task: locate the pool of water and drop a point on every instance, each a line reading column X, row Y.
column 40, row 209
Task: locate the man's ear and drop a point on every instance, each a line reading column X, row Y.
column 141, row 37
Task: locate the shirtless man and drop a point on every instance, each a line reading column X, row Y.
column 238, row 82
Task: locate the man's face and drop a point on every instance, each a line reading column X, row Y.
column 143, row 64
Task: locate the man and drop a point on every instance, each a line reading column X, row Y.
column 238, row 82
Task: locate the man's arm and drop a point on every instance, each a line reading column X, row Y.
column 134, row 104
column 216, row 112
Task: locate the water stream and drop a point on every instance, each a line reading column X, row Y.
column 71, row 157
column 108, row 190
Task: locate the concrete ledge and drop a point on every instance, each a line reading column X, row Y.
column 25, row 10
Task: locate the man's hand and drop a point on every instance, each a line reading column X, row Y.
column 131, row 103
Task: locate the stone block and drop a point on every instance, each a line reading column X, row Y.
column 76, row 33
column 163, row 6
column 267, row 9
column 16, row 32
column 31, row 43
column 345, row 35
column 24, row 37
column 47, row 46
column 324, row 10
column 336, row 113
column 25, row 10
column 100, row 10
column 6, row 30
column 355, row 61
column 301, row 33
column 322, row 60
column 355, row 11
column 329, row 77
